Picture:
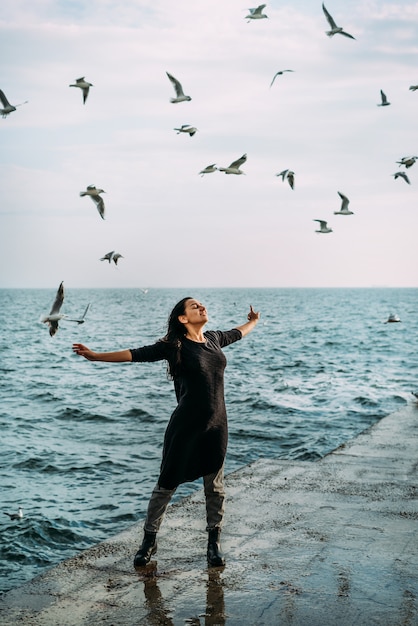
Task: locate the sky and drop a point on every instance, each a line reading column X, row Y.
column 174, row 227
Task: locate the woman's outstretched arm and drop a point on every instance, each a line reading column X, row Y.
column 120, row 356
column 253, row 318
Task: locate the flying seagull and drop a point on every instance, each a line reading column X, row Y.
column 234, row 168
column 112, row 256
column 94, row 194
column 289, row 176
column 15, row 516
column 180, row 97
column 384, row 102
column 407, row 161
column 84, row 86
column 335, row 30
column 8, row 108
column 413, row 88
column 55, row 316
column 280, row 73
column 402, row 175
column 323, row 227
column 186, row 128
column 208, row 169
column 344, row 210
column 257, row 13
column 79, row 320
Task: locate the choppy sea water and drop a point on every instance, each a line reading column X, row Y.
column 81, row 442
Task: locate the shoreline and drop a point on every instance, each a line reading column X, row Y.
column 332, row 541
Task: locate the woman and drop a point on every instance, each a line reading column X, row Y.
column 196, row 437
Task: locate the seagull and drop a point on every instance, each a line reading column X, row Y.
column 407, row 161
column 55, row 316
column 186, row 128
column 112, row 256
column 324, row 228
column 335, row 30
column 15, row 516
column 393, row 319
column 344, row 205
column 384, row 102
column 234, row 167
column 280, row 73
column 95, row 196
column 108, row 256
column 8, row 108
column 413, row 88
column 80, row 320
column 257, row 13
column 84, row 86
column 402, row 175
column 289, row 175
column 209, row 169
column 178, row 89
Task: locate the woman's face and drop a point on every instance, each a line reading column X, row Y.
column 194, row 311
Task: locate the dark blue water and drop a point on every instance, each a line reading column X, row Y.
column 81, row 442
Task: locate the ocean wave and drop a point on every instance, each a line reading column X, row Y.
column 75, row 413
column 141, row 414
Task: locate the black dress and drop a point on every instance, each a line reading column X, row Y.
column 196, row 437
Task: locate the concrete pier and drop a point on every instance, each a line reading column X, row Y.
column 331, row 542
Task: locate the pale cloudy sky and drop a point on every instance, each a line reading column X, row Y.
column 174, row 227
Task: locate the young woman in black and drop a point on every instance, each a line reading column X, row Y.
column 196, row 437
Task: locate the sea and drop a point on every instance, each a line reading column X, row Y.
column 81, row 442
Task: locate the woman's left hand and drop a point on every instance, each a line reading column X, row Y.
column 253, row 315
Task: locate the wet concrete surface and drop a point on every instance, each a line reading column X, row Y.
column 331, row 542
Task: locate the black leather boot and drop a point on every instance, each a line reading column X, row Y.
column 147, row 549
column 215, row 556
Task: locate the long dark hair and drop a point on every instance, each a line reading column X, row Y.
column 176, row 331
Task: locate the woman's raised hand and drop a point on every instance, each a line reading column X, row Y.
column 253, row 315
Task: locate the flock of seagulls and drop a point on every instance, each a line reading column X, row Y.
column 257, row 13
column 234, row 168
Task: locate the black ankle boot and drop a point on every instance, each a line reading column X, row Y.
column 215, row 556
column 147, row 549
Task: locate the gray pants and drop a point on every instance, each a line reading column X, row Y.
column 215, row 503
